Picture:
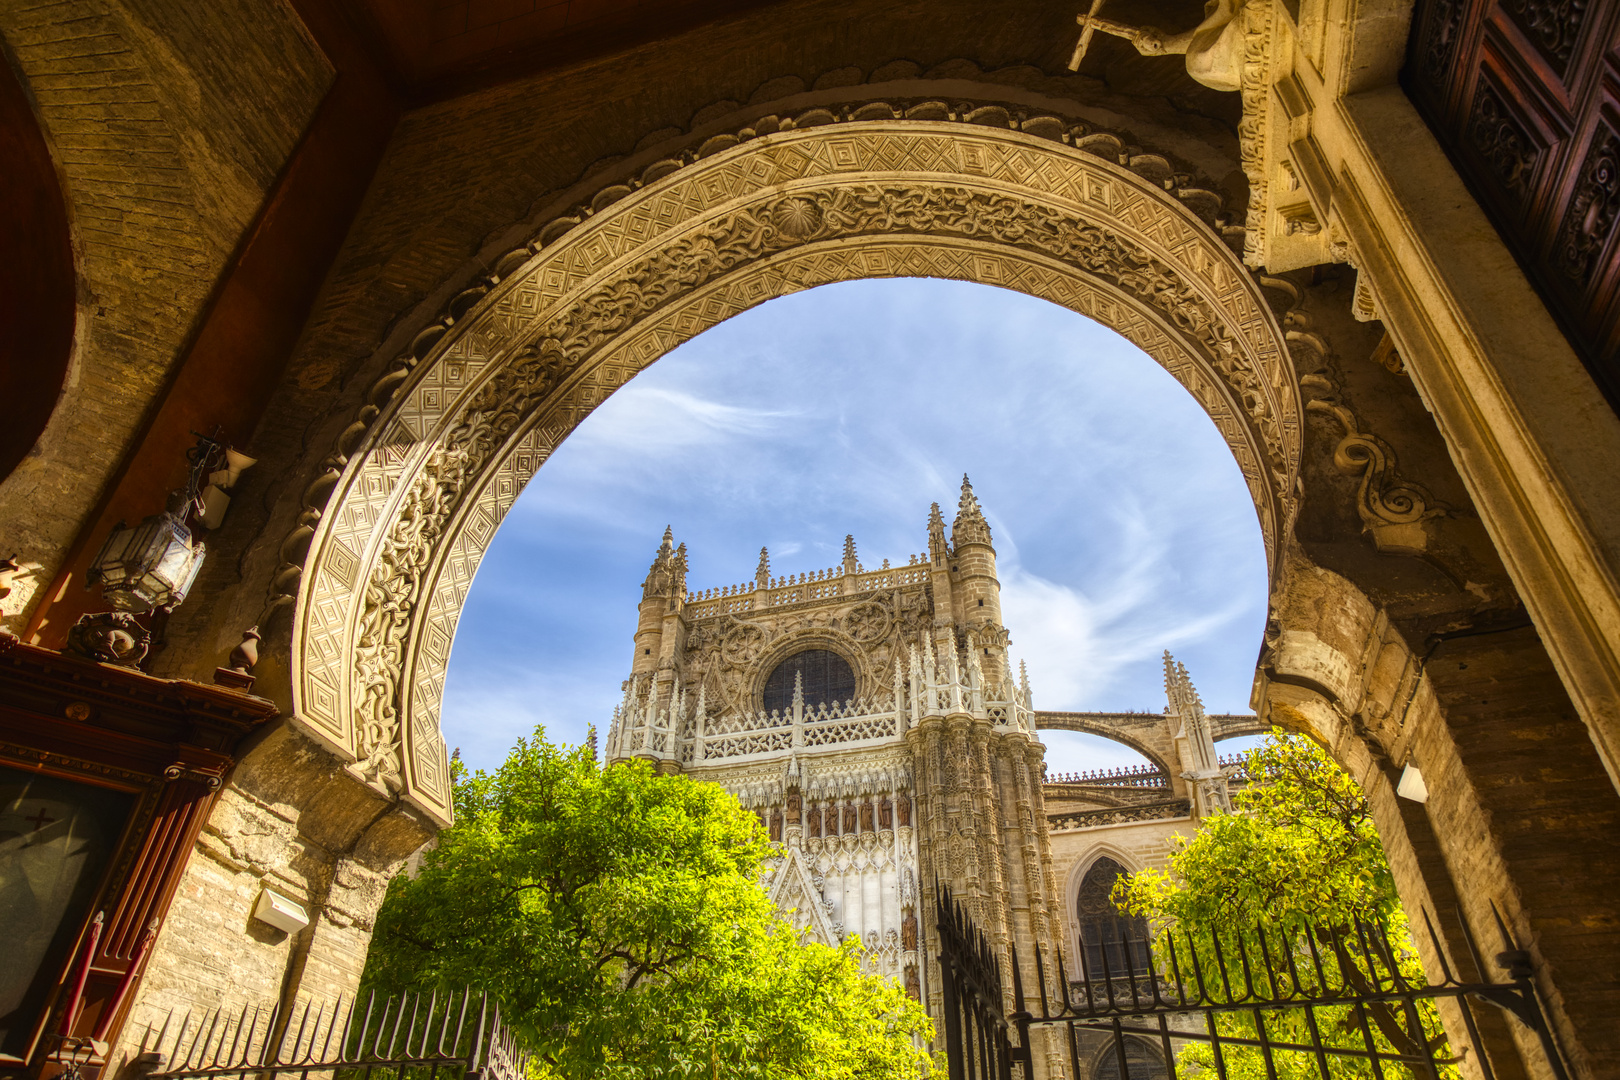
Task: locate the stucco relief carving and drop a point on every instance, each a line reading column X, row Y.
column 425, row 485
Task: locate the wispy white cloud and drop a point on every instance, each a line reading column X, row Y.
column 665, row 420
column 1121, row 520
column 1079, row 648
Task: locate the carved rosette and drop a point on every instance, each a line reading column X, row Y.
column 419, row 498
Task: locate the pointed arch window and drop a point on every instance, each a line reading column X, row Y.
column 1112, row 943
column 1143, row 1061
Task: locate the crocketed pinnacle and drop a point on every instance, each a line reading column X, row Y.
column 938, row 549
column 1179, row 691
column 762, row 572
column 668, row 570
column 970, row 526
column 851, row 565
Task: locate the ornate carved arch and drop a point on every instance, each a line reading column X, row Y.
column 487, row 394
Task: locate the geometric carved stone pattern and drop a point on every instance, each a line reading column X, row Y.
column 420, row 497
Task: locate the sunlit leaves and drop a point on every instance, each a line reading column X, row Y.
column 618, row 916
column 1300, row 858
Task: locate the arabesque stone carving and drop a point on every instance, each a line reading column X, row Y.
column 485, row 401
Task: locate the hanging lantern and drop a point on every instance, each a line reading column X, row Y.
column 150, row 565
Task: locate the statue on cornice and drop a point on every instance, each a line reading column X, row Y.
column 1213, row 48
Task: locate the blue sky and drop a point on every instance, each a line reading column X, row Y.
column 1121, row 523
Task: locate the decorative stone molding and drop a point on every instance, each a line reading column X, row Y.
column 1168, row 810
column 474, row 407
column 1392, row 508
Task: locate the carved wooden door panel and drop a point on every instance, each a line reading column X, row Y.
column 1525, row 97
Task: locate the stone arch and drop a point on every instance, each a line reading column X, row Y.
column 1073, row 883
column 1144, row 1060
column 452, row 432
column 1149, row 740
column 1232, row 727
column 37, row 280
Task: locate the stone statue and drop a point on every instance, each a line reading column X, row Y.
column 776, row 827
column 1213, row 49
column 885, row 814
column 851, row 822
column 913, row 984
column 814, row 822
column 905, row 810
column 795, row 804
column 908, row 932
column 866, row 816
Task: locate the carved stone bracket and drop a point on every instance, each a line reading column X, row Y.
column 1392, row 509
column 181, row 771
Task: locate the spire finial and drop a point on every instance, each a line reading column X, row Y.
column 762, row 572
column 851, row 565
column 667, row 577
column 969, row 526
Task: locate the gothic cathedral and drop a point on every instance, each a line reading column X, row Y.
column 871, row 718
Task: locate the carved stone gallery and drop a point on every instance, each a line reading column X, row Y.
column 302, row 294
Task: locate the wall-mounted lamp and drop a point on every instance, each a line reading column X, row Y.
column 280, row 912
column 150, row 565
column 153, row 564
column 1412, row 786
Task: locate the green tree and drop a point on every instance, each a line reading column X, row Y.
column 1300, row 858
column 618, row 916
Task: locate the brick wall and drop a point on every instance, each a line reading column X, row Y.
column 169, row 122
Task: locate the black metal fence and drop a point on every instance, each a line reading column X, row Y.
column 976, row 1031
column 1320, row 1002
column 455, row 1036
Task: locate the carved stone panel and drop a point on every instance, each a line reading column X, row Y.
column 491, row 396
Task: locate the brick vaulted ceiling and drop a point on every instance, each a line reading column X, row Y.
column 437, row 48
column 440, row 49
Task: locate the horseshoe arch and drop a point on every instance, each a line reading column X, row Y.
column 461, row 422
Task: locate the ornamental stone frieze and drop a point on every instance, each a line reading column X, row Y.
column 486, row 396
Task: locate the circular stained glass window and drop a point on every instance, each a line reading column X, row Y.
column 826, row 676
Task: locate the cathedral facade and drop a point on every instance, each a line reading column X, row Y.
column 871, row 718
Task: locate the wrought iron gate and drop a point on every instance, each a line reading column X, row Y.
column 456, row 1036
column 976, row 1031
column 1327, row 1003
